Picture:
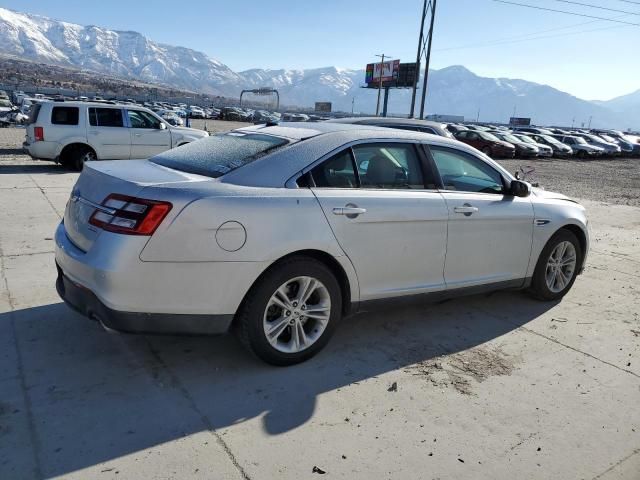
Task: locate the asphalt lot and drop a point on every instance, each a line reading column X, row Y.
column 488, row 387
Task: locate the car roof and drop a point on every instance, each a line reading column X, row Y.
column 312, row 141
column 385, row 121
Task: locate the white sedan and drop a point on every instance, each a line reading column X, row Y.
column 277, row 232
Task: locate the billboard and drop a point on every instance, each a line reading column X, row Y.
column 407, row 75
column 323, row 107
column 520, row 121
column 388, row 69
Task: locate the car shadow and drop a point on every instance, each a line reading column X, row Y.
column 95, row 396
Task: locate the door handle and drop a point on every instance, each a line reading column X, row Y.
column 466, row 209
column 137, row 134
column 350, row 212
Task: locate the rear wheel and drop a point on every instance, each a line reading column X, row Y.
column 81, row 155
column 487, row 151
column 581, row 154
column 291, row 313
column 557, row 266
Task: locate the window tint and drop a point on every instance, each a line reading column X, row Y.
column 388, row 165
column 33, row 113
column 105, row 117
column 64, row 115
column 336, row 172
column 464, row 172
column 219, row 154
column 139, row 119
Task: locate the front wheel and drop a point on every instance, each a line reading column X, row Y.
column 291, row 313
column 487, row 151
column 557, row 266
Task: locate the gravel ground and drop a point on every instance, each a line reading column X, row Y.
column 614, row 181
column 607, row 180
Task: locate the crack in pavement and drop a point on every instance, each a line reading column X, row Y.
column 45, row 196
column 620, row 462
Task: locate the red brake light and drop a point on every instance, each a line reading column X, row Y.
column 38, row 133
column 129, row 215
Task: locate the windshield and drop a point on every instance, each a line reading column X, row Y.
column 220, row 154
column 607, row 138
column 4, row 103
column 488, row 136
column 525, row 139
column 510, row 138
column 551, row 140
column 580, row 140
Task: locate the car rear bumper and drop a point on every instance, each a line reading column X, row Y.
column 85, row 302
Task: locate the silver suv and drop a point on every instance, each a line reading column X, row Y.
column 72, row 133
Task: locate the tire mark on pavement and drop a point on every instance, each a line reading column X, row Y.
column 620, row 462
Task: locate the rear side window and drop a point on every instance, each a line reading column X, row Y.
column 64, row 115
column 219, row 154
column 34, row 110
column 105, row 117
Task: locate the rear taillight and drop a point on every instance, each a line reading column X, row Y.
column 129, row 215
column 38, row 133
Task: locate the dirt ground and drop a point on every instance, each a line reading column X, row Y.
column 486, row 387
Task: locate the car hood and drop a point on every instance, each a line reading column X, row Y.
column 540, row 193
column 190, row 131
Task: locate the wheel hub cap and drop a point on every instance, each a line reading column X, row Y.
column 561, row 267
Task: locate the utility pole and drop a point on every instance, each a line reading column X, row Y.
column 426, row 67
column 478, row 116
column 353, row 102
column 418, row 57
column 590, row 117
column 380, row 81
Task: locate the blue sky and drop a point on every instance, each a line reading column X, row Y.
column 585, row 57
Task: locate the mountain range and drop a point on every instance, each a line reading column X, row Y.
column 453, row 90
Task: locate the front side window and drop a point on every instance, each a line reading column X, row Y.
column 388, row 165
column 140, row 119
column 463, row 172
column 105, row 117
column 64, row 115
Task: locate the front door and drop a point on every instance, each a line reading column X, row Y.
column 490, row 233
column 148, row 138
column 387, row 216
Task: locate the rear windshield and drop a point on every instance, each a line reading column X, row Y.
column 219, row 154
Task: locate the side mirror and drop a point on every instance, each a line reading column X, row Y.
column 519, row 188
column 162, row 126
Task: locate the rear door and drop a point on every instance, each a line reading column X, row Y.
column 107, row 134
column 387, row 216
column 148, row 138
column 490, row 232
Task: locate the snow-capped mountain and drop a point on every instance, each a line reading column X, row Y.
column 126, row 54
column 452, row 90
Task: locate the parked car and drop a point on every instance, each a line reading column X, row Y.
column 171, row 118
column 413, row 124
column 538, row 130
column 622, row 140
column 196, row 112
column 5, row 106
column 523, row 149
column 200, row 238
column 560, row 149
column 625, row 146
column 593, row 140
column 72, row 133
column 487, row 143
column 579, row 145
column 543, row 150
column 455, row 128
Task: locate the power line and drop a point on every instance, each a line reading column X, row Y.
column 506, row 41
column 597, row 6
column 629, row 1
column 522, row 37
column 566, row 12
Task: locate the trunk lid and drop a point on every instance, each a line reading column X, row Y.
column 100, row 179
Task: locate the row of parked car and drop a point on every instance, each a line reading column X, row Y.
column 528, row 141
column 522, row 142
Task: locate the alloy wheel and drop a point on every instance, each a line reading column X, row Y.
column 561, row 266
column 297, row 314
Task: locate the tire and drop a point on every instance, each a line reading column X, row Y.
column 581, row 154
column 540, row 285
column 258, row 312
column 487, row 151
column 81, row 155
